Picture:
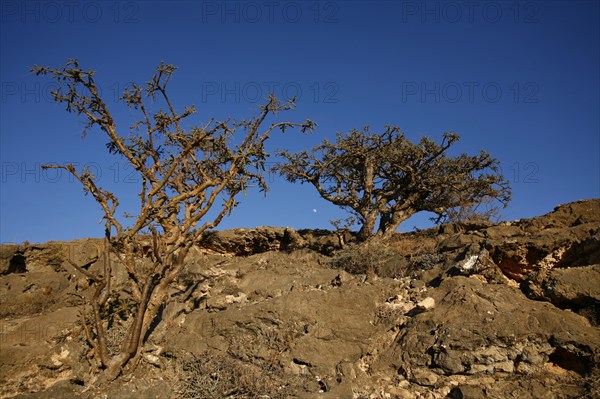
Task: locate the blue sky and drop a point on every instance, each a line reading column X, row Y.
column 518, row 79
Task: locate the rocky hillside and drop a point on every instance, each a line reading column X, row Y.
column 471, row 311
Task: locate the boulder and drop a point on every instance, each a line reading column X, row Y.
column 575, row 288
column 11, row 259
column 480, row 328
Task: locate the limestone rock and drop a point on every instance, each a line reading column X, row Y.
column 427, row 303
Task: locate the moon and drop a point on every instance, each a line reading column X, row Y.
column 314, row 210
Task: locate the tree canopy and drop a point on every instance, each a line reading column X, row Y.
column 387, row 177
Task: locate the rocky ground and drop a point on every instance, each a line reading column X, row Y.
column 472, row 311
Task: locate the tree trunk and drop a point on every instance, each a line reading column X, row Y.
column 114, row 369
column 384, row 221
column 367, row 228
column 390, row 221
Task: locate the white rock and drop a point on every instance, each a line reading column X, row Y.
column 427, row 303
column 468, row 265
column 58, row 358
column 152, row 359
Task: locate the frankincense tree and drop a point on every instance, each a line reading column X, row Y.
column 184, row 173
column 387, row 178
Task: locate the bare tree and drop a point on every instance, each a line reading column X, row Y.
column 342, row 229
column 184, row 173
column 388, row 178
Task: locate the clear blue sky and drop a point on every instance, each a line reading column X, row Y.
column 519, row 79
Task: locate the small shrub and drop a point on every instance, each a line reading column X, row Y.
column 411, row 244
column 216, row 375
column 388, row 258
column 424, row 261
column 371, row 257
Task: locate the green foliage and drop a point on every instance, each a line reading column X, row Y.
column 387, row 177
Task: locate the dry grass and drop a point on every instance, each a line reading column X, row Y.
column 413, row 244
column 213, row 375
column 392, row 258
column 366, row 258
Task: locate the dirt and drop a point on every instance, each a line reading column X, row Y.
column 509, row 310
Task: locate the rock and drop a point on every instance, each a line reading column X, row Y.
column 467, row 392
column 480, row 368
column 458, row 241
column 561, row 238
column 216, row 303
column 469, row 264
column 346, row 371
column 289, row 325
column 61, row 389
column 417, row 284
column 342, row 278
column 583, row 251
column 517, row 260
column 58, row 359
column 152, row 359
column 450, row 361
column 292, row 240
column 244, row 241
column 42, row 340
column 507, row 366
column 572, row 287
column 567, row 215
column 140, row 388
column 46, row 256
column 424, row 377
column 478, row 328
column 478, row 262
column 34, row 292
column 427, row 303
column 239, row 298
column 262, row 239
column 317, row 328
column 400, row 393
column 11, row 259
column 502, row 232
